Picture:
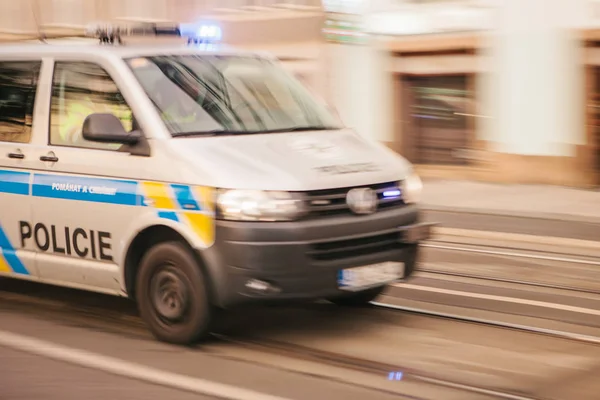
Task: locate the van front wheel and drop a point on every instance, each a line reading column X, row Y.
column 172, row 296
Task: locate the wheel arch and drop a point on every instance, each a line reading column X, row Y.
column 144, row 240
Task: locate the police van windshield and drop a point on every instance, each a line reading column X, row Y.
column 212, row 95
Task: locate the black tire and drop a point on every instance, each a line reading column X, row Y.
column 183, row 314
column 358, row 299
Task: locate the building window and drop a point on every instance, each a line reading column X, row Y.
column 81, row 89
column 18, row 81
column 440, row 109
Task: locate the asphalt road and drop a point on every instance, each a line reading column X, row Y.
column 287, row 351
column 515, row 224
column 30, row 377
column 234, row 365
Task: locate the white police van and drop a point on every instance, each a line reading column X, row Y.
column 192, row 180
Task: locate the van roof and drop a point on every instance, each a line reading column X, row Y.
column 69, row 47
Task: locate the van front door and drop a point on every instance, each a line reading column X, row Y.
column 86, row 198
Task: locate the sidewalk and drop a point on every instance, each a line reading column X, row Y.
column 537, row 201
column 525, row 209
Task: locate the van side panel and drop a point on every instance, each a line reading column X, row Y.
column 83, row 225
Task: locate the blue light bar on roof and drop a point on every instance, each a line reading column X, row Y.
column 200, row 33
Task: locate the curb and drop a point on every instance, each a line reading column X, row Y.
column 517, row 237
column 514, row 214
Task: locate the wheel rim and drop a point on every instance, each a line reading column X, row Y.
column 170, row 295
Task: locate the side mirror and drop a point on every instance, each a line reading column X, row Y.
column 107, row 128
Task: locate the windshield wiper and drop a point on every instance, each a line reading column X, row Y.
column 223, row 132
column 302, row 129
column 216, row 132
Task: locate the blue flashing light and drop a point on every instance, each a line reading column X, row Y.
column 201, row 33
column 395, row 376
column 391, row 193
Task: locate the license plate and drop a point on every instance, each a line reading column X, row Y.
column 370, row 275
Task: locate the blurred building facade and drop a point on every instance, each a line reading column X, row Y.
column 496, row 90
column 503, row 90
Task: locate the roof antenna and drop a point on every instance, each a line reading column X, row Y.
column 35, row 6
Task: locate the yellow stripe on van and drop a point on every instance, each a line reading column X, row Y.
column 4, row 267
column 160, row 194
column 200, row 221
column 206, row 196
column 203, row 225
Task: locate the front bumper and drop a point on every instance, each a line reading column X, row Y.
column 302, row 259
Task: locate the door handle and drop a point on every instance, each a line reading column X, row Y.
column 19, row 155
column 49, row 158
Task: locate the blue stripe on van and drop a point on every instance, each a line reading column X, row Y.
column 93, row 189
column 172, row 215
column 14, row 182
column 80, row 188
column 185, row 198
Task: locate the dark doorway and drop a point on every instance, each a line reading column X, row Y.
column 438, row 111
column 594, row 116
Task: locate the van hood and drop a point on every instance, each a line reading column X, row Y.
column 290, row 161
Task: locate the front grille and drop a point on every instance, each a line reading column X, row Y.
column 355, row 247
column 332, row 202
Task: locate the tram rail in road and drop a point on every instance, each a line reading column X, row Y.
column 543, row 251
column 524, row 328
column 514, row 240
column 516, row 253
column 383, row 369
column 127, row 321
column 181, row 382
column 486, row 244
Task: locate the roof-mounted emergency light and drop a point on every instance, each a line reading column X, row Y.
column 199, row 33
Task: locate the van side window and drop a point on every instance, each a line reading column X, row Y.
column 18, row 82
column 80, row 89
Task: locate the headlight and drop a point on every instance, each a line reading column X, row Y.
column 412, row 188
column 258, row 205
